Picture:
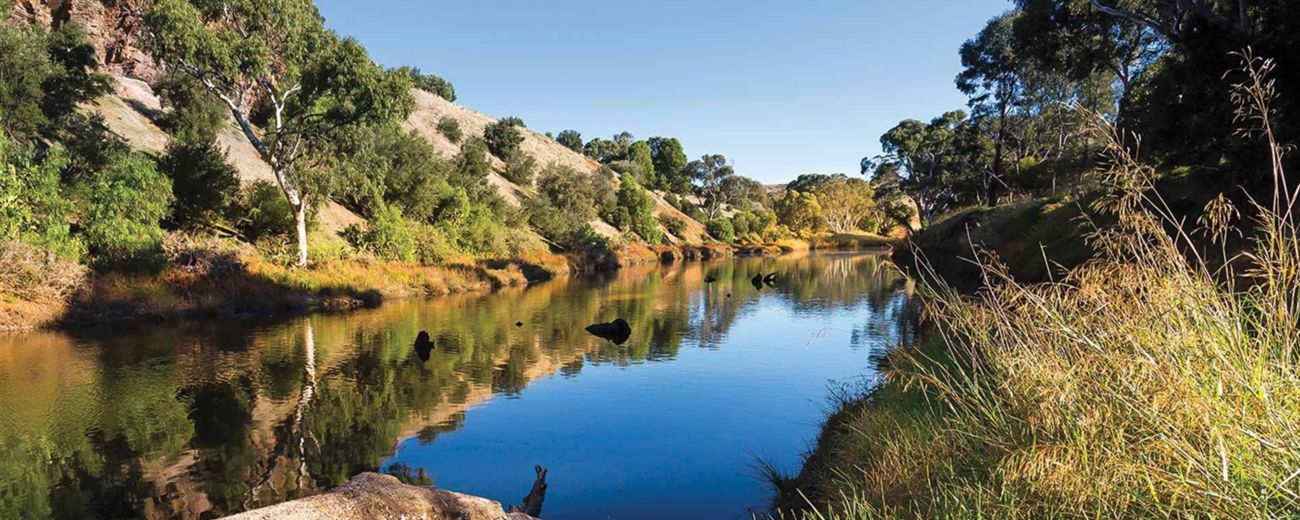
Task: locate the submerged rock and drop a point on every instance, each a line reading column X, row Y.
column 757, row 281
column 617, row 331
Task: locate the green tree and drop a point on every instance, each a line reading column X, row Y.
column 310, row 83
column 848, row 205
column 503, row 137
column 606, row 151
column 571, row 139
column 711, row 175
column 193, row 115
column 721, row 229
column 204, row 186
column 992, row 77
column 24, row 67
column 126, row 203
column 430, row 83
column 639, row 154
column 76, row 78
column 800, row 212
column 638, row 208
column 520, row 168
column 669, row 164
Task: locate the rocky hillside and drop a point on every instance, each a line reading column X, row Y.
column 132, row 108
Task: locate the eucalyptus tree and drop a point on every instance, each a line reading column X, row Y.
column 669, row 162
column 712, row 177
column 289, row 83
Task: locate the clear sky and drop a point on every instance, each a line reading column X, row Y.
column 779, row 87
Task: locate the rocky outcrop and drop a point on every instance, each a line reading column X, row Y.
column 114, row 27
column 371, row 495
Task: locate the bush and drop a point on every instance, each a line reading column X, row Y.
column 126, row 203
column 430, row 83
column 636, row 211
column 503, row 137
column 721, row 230
column 204, row 185
column 386, row 234
column 519, row 169
column 566, row 202
column 32, row 273
column 450, row 128
column 265, row 212
column 673, row 224
column 33, row 205
column 194, row 115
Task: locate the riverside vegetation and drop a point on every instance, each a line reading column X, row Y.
column 294, row 173
column 1123, row 348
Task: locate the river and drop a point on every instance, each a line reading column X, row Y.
column 204, row 419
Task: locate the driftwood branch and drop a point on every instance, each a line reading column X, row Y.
column 532, row 505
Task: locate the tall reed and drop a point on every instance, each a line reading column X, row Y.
column 1142, row 384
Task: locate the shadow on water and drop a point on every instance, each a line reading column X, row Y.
column 216, row 418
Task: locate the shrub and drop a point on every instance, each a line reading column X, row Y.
column 265, row 212
column 34, row 273
column 126, row 203
column 503, row 137
column 33, row 205
column 430, row 83
column 386, row 234
column 636, row 211
column 721, row 230
column 472, row 164
column 566, row 202
column 193, row 115
column 571, row 139
column 204, row 185
column 450, row 128
column 520, row 168
column 674, row 225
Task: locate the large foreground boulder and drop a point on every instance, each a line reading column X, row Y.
column 373, row 496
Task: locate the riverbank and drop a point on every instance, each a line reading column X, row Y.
column 208, row 277
column 1141, row 384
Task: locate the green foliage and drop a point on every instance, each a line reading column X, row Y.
column 77, row 78
column 204, row 185
column 449, row 127
column 193, row 115
column 848, row 205
column 264, row 212
column 636, row 211
column 713, row 183
column 566, row 202
column 800, row 212
column 721, row 229
column 33, row 205
column 386, row 165
column 386, row 234
column 520, row 168
column 429, row 83
column 126, row 203
column 24, row 67
column 674, row 225
column 669, row 165
column 472, row 162
column 639, row 154
column 571, row 139
column 504, row 137
column 605, row 151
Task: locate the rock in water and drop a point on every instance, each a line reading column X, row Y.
column 617, row 331
column 757, row 281
column 710, row 279
column 423, row 345
column 770, row 280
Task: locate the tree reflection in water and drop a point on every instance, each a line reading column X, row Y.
column 214, row 418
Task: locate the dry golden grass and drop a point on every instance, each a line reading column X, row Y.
column 1143, row 384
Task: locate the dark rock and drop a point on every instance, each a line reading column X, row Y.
column 617, row 331
column 757, row 281
column 519, row 323
column 770, row 280
column 423, row 346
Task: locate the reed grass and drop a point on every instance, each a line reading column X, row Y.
column 1144, row 383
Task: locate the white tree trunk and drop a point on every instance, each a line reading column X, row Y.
column 300, row 228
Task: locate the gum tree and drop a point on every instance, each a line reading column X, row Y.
column 289, row 83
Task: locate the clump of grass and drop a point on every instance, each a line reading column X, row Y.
column 1142, row 384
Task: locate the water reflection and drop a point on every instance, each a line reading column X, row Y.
column 191, row 420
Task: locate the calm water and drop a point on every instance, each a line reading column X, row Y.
column 202, row 420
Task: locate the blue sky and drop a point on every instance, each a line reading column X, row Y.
column 779, row 87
